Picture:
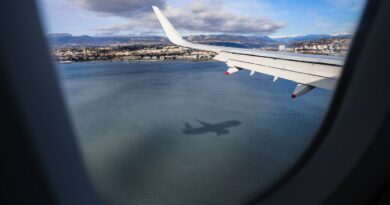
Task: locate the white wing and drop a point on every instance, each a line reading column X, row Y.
column 308, row 71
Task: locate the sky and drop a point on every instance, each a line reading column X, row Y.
column 275, row 18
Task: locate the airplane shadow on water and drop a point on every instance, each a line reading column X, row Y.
column 217, row 128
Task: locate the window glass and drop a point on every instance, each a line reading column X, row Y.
column 159, row 123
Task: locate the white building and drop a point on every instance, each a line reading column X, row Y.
column 282, row 47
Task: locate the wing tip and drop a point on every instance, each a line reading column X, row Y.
column 175, row 36
column 155, row 8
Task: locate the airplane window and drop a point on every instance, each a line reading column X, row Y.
column 196, row 102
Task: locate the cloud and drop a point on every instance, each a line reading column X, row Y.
column 122, row 8
column 200, row 17
column 140, row 25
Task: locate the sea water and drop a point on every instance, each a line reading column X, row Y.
column 129, row 118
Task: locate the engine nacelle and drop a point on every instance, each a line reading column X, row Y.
column 232, row 70
column 301, row 89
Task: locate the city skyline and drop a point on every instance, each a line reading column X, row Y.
column 132, row 18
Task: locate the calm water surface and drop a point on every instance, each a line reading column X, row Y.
column 131, row 117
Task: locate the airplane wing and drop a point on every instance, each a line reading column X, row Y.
column 308, row 71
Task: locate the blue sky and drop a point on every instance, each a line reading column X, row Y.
column 247, row 17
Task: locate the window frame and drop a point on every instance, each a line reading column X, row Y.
column 38, row 127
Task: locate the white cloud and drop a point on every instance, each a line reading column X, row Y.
column 123, row 8
column 203, row 16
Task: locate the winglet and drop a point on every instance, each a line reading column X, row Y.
column 170, row 31
column 176, row 38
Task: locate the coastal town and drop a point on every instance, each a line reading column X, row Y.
column 329, row 46
column 129, row 53
column 166, row 51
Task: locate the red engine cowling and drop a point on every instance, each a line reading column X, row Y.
column 232, row 70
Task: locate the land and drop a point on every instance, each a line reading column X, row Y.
column 337, row 46
column 66, row 48
column 129, row 53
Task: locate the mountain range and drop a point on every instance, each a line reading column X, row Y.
column 65, row 39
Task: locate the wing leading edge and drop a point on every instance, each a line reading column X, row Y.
column 308, row 71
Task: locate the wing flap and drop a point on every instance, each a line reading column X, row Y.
column 318, row 75
column 301, row 78
column 324, row 70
